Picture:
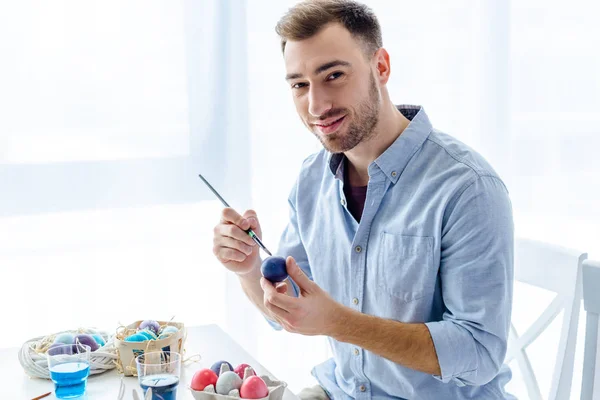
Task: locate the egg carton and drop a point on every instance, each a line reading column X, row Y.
column 276, row 390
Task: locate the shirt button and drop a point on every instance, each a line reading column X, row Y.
column 343, row 202
column 358, row 249
column 362, row 388
column 356, row 352
column 355, row 301
column 394, row 174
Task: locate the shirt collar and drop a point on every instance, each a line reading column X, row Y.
column 395, row 158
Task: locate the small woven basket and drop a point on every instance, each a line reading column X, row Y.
column 32, row 355
column 128, row 351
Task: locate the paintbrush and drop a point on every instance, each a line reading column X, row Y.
column 250, row 232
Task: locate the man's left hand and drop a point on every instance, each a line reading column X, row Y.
column 313, row 312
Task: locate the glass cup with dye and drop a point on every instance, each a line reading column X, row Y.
column 69, row 367
column 159, row 371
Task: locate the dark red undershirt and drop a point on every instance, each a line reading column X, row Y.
column 355, row 195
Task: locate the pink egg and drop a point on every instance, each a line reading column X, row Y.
column 240, row 370
column 254, row 388
column 203, row 378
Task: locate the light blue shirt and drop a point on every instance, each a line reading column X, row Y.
column 434, row 245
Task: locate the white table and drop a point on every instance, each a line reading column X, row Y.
column 210, row 341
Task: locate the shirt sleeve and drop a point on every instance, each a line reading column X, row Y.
column 476, row 272
column 290, row 244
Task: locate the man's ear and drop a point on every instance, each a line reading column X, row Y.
column 381, row 60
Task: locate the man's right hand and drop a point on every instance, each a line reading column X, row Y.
column 233, row 247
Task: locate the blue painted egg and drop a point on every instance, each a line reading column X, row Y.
column 274, row 269
column 216, row 367
column 148, row 334
column 136, row 337
column 169, row 329
column 65, row 338
column 99, row 339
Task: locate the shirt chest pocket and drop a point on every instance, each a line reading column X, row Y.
column 405, row 266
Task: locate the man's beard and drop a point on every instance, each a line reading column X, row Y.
column 360, row 130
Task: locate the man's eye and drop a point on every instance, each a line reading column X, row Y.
column 298, row 85
column 335, row 75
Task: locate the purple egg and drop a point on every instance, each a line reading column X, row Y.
column 85, row 339
column 150, row 324
column 216, row 367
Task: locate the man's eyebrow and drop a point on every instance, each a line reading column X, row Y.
column 320, row 69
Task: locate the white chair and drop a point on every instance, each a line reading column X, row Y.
column 558, row 270
column 590, row 384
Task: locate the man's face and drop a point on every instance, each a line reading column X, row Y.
column 334, row 89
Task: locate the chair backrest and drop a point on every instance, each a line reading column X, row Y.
column 590, row 384
column 558, row 270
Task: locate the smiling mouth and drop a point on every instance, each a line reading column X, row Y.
column 331, row 127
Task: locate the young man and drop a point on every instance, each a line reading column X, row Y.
column 400, row 239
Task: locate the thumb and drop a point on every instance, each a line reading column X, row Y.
column 296, row 273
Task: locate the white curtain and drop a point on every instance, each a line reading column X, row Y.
column 516, row 80
column 109, row 111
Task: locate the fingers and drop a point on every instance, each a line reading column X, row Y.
column 279, row 301
column 226, row 254
column 228, row 242
column 230, row 216
column 231, row 231
column 281, row 287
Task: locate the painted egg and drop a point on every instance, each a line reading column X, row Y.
column 216, row 367
column 147, row 333
column 203, row 378
column 150, row 324
column 65, row 338
column 59, row 348
column 99, row 339
column 84, row 338
column 136, row 337
column 274, row 269
column 169, row 329
column 254, row 388
column 227, row 382
column 240, row 369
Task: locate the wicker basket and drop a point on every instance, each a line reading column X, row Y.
column 128, row 351
column 33, row 359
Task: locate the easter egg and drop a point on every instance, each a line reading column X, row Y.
column 136, row 337
column 147, row 333
column 99, row 339
column 274, row 269
column 227, row 382
column 216, row 367
column 169, row 329
column 240, row 369
column 59, row 348
column 150, row 324
column 85, row 339
column 254, row 388
column 203, row 378
column 64, row 338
